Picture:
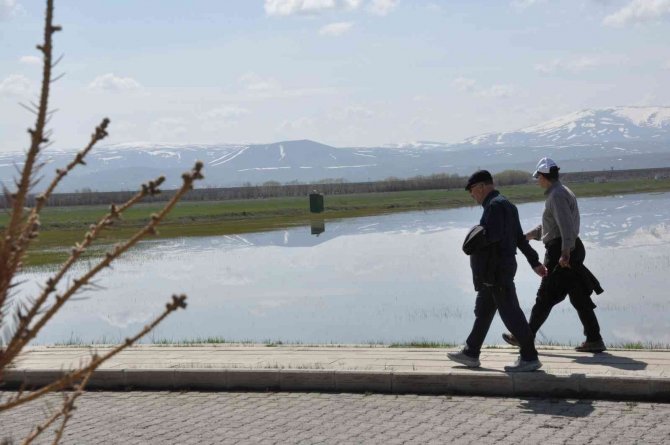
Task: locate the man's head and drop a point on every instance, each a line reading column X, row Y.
column 546, row 172
column 480, row 184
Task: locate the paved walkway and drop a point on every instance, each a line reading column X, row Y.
column 308, row 418
column 616, row 374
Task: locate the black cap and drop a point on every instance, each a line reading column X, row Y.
column 479, row 176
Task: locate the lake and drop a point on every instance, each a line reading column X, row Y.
column 395, row 278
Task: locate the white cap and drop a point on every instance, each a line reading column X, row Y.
column 544, row 166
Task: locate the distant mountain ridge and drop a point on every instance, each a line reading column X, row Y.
column 618, row 137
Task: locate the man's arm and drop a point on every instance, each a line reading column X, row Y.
column 494, row 223
column 525, row 248
column 534, row 234
column 560, row 208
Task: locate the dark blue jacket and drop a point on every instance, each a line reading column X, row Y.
column 496, row 263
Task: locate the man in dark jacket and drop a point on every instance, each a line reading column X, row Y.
column 564, row 259
column 493, row 269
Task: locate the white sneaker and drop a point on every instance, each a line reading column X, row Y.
column 464, row 359
column 524, row 365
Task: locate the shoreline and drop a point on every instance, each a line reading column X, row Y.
column 64, row 226
column 219, row 342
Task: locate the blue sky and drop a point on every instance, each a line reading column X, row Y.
column 342, row 72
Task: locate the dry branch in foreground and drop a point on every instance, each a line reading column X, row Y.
column 22, row 321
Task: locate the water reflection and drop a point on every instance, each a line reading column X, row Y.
column 317, row 226
column 395, row 278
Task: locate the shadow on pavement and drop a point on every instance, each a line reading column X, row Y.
column 558, row 407
column 605, row 359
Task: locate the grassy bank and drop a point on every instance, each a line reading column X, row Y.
column 63, row 226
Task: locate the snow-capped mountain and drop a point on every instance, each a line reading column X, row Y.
column 610, row 125
column 622, row 137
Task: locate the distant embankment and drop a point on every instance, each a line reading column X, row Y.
column 275, row 190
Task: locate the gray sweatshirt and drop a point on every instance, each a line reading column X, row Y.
column 560, row 218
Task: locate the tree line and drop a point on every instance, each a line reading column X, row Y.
column 274, row 189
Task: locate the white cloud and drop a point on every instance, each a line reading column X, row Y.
column 16, row 85
column 254, row 82
column 639, row 11
column 315, row 7
column 9, row 8
column 335, row 29
column 464, row 84
column 523, row 4
column 575, row 65
column 291, row 7
column 168, row 129
column 111, row 83
column 225, row 116
column 298, row 124
column 382, row 7
column 352, row 4
column 351, row 113
column 225, row 112
column 496, row 91
column 31, row 60
column 358, row 112
column 433, row 7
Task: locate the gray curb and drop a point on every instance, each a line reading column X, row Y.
column 481, row 383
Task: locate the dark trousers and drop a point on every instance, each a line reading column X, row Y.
column 502, row 298
column 553, row 291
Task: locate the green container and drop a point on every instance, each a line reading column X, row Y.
column 316, row 202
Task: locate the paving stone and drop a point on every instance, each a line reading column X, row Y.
column 291, row 418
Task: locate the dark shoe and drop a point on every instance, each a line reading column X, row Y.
column 524, row 365
column 509, row 338
column 591, row 346
column 464, row 359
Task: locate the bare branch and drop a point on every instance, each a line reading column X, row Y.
column 25, row 332
column 55, row 79
column 32, row 110
column 178, row 302
column 64, row 412
column 30, row 229
column 7, row 246
column 57, row 61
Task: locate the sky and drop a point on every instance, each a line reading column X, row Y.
column 347, row 73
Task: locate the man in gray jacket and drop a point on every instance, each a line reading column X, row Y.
column 564, row 259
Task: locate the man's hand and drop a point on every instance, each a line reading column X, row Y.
column 564, row 260
column 540, row 270
column 530, row 236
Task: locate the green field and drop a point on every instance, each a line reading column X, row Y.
column 63, row 226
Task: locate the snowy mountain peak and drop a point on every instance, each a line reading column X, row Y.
column 616, row 124
column 658, row 117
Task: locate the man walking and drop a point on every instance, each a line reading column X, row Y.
column 564, row 259
column 493, row 268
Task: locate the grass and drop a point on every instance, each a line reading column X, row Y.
column 76, row 341
column 638, row 345
column 63, row 226
column 423, row 344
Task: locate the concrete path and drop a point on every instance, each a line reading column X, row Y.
column 253, row 418
column 616, row 374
